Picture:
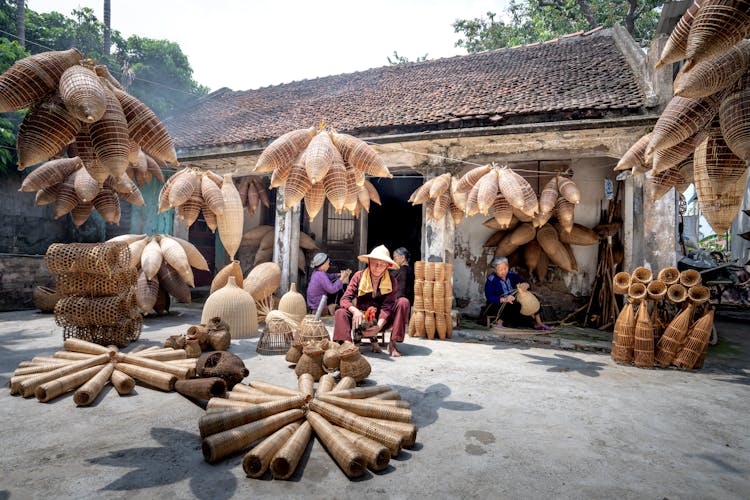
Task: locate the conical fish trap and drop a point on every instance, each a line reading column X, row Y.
column 568, row 190
column 45, row 130
column 699, row 294
column 643, row 347
column 676, row 293
column 360, row 155
column 621, row 283
column 319, row 156
column 637, row 291
column 522, row 234
column 635, row 157
column 734, row 118
column 682, row 118
column 674, row 49
column 642, row 275
column 578, row 235
column 717, row 27
column 721, row 165
column 109, row 137
column 696, row 342
column 429, row 324
column 669, row 275
column 718, row 207
column 284, row 150
column 673, row 337
column 690, row 277
column 263, row 280
column 555, row 250
column 672, row 156
column 82, row 93
column 145, row 128
column 713, row 74
column 656, row 290
column 623, row 339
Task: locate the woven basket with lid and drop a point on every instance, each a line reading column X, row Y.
column 353, row 364
column 310, row 362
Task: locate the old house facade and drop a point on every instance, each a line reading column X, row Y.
column 571, row 105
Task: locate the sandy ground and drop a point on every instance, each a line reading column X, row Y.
column 495, row 421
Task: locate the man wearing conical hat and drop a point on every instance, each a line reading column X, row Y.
column 373, row 287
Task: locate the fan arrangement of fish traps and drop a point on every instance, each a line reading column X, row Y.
column 85, row 367
column 192, row 190
column 319, row 164
column 440, row 197
column 703, row 135
column 253, row 193
column 164, row 264
column 360, row 427
column 257, row 245
column 673, row 322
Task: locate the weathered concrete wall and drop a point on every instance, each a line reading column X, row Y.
column 19, row 274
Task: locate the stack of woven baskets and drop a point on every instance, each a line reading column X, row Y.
column 433, row 297
column 678, row 328
column 97, row 299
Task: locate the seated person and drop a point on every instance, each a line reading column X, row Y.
column 502, row 309
column 404, row 274
column 373, row 287
column 324, row 283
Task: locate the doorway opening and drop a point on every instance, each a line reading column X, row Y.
column 396, row 223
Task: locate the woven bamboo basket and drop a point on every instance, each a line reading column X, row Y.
column 202, row 388
column 555, row 250
column 50, row 173
column 123, row 384
column 360, row 155
column 285, row 460
column 681, row 119
column 719, row 208
column 312, row 330
column 690, row 277
column 306, row 385
column 642, row 275
column 717, row 27
column 531, row 253
column 578, row 235
column 109, row 137
column 151, row 258
column 315, row 199
column 713, row 74
column 222, row 277
column 311, row 362
column 643, row 347
column 46, row 129
column 673, row 156
column 236, row 307
column 326, row 383
column 699, row 294
column 33, row 77
column 108, row 205
column 212, row 194
column 637, row 291
column 145, row 128
column 376, row 455
column 419, row 273
column 439, row 185
column 230, row 223
column 284, row 150
column 439, row 271
column 94, row 258
column 721, row 165
column 174, row 255
column 419, row 323
column 666, row 180
column 171, row 281
column 438, row 297
column 674, row 49
column 429, row 324
column 293, row 303
column 487, row 190
column 294, row 352
column 271, row 342
column 146, row 292
column 623, row 340
column 213, row 424
column 635, row 157
column 505, row 248
column 263, row 280
column 98, row 311
column 82, row 93
column 353, row 364
column 256, row 461
column 529, row 303
column 297, row 185
column 669, row 275
column 734, row 117
column 568, row 190
column 331, row 359
column 656, row 290
column 428, row 295
column 81, row 212
column 673, row 337
column 696, row 342
column 54, row 388
column 510, row 186
column 386, row 409
column 502, row 212
column 347, row 455
column 45, row 298
column 470, row 178
column 676, row 293
column 319, row 156
column 522, row 234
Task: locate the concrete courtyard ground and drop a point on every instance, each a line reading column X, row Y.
column 496, row 420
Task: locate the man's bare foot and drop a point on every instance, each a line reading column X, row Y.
column 393, row 351
column 376, row 348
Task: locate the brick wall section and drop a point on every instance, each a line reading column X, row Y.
column 19, row 274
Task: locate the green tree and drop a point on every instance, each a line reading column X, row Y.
column 10, row 52
column 398, row 59
column 530, row 21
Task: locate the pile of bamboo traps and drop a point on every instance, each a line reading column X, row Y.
column 433, row 299
column 676, row 330
column 260, row 240
column 86, row 368
column 192, row 190
column 319, row 164
column 361, row 427
column 212, row 336
column 253, row 193
column 164, row 265
column 440, row 197
column 702, row 135
column 95, row 283
column 79, row 116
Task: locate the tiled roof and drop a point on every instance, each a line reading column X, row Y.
column 577, row 77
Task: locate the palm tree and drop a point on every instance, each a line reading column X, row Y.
column 107, row 29
column 21, row 22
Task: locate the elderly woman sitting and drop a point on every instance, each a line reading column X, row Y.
column 373, row 287
column 502, row 309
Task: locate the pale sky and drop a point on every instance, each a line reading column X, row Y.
column 249, row 44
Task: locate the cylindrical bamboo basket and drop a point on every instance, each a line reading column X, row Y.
column 288, row 456
column 252, row 398
column 375, row 454
column 346, row 454
column 27, row 387
column 50, row 390
column 375, row 409
column 676, row 293
column 699, row 294
column 406, row 430
column 642, row 275
column 306, row 384
column 623, row 338
column 637, row 291
column 273, row 389
column 87, row 393
column 212, row 424
column 122, row 382
column 361, row 392
column 202, row 388
column 256, row 461
column 387, row 395
column 345, row 383
column 696, row 342
column 643, row 348
column 221, row 405
column 355, row 423
column 82, row 346
column 656, row 290
column 419, row 270
column 180, row 372
column 690, row 277
column 429, row 324
column 669, row 275
column 326, row 384
column 155, row 378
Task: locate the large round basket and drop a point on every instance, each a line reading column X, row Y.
column 276, row 338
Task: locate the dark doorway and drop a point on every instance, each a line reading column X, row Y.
column 396, row 223
column 205, row 241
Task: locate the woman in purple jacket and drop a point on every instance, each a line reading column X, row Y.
column 324, row 283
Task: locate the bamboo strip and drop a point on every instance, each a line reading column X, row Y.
column 202, row 388
column 178, row 371
column 221, row 444
column 122, row 382
column 50, row 390
column 221, row 405
column 326, row 383
column 78, row 345
column 345, row 383
column 370, row 408
column 87, row 393
column 287, row 458
column 273, row 389
column 349, row 458
column 256, row 461
column 212, row 424
column 156, row 378
column 354, row 422
column 28, row 386
column 406, row 430
column 72, row 355
column 387, row 395
column 361, row 392
column 306, row 385
column 252, row 398
column 375, row 454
